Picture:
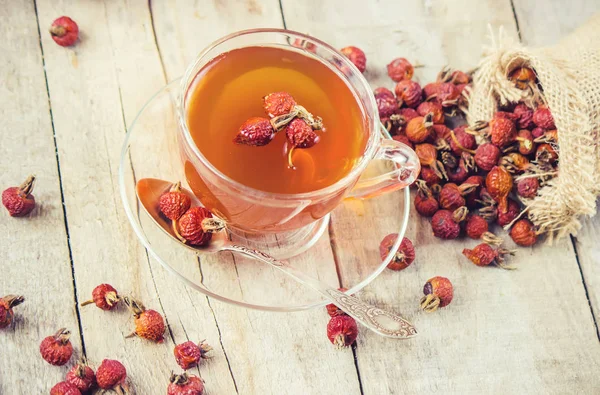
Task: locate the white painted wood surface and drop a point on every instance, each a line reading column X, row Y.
column 529, row 331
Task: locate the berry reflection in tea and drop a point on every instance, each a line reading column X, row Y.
column 230, row 91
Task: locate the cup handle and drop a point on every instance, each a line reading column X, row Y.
column 407, row 168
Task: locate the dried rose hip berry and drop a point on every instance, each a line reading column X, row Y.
column 498, row 184
column 430, row 90
column 542, row 117
column 6, row 309
column 452, row 195
column 512, row 211
column 197, row 225
column 461, row 141
column 506, row 115
column 64, row 31
column 427, row 154
column 111, row 375
column 403, row 139
column 446, row 224
column 459, row 174
column 149, row 324
column 446, row 94
column 515, row 162
column 174, row 203
column 387, row 104
column 403, row 257
column 400, row 69
column 409, row 92
column 407, row 114
column 18, row 200
column 502, row 131
column 278, row 103
column 356, row 56
column 538, row 132
column 342, row 330
column 525, row 114
column 64, row 388
column 299, row 136
column 381, row 91
column 57, row 349
column 546, row 152
column 528, row 187
column 483, row 255
column 429, row 176
column 81, row 376
column 476, row 226
column 425, row 204
column 442, row 132
column 256, row 131
column 189, row 354
column 460, row 77
column 438, row 292
column 432, row 107
column 473, row 197
column 185, row 384
column 332, row 309
column 526, row 144
column 523, row 233
column 419, row 129
column 487, row 155
column 522, row 77
column 104, row 296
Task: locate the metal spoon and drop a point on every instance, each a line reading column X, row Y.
column 380, row 321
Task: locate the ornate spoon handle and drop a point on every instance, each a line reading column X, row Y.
column 379, row 321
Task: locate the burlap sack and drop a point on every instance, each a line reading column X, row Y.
column 569, row 74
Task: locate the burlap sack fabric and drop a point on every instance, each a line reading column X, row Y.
column 569, row 74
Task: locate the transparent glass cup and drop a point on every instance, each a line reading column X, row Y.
column 251, row 211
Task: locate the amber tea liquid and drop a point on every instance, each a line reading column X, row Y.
column 230, row 89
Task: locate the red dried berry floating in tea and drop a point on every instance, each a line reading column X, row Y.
column 403, row 257
column 278, row 103
column 487, row 155
column 425, row 204
column 522, row 77
column 185, row 384
column 419, row 129
column 438, row 292
column 409, row 92
column 332, row 309
column 256, row 131
column 356, row 56
column 498, row 184
column 342, row 330
column 528, row 187
column 299, row 136
column 484, row 255
column 57, row 349
column 542, row 117
column 105, row 296
column 189, row 354
column 197, row 225
column 523, row 233
column 400, row 69
column 149, row 324
column 512, row 212
column 81, row 376
column 434, row 108
column 18, row 200
column 64, row 31
column 476, row 226
column 502, row 131
column 446, row 224
column 6, row 309
column 111, row 375
column 64, row 388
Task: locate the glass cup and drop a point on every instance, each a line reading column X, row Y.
column 251, row 211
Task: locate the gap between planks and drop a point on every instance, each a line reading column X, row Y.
column 60, row 183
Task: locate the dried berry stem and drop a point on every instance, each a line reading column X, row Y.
column 430, row 303
column 134, row 305
column 13, row 300
column 491, row 239
column 459, row 145
column 27, row 186
column 213, row 225
column 62, row 335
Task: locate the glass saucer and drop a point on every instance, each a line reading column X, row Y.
column 340, row 249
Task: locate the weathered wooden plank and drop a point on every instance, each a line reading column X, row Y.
column 545, row 25
column 272, row 353
column 500, row 324
column 34, row 250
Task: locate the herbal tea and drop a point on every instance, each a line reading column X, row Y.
column 230, row 90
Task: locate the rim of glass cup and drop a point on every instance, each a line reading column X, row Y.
column 374, row 125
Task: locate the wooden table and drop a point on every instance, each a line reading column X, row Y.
column 65, row 111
